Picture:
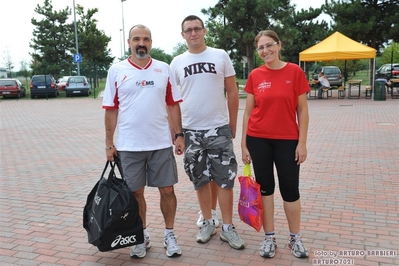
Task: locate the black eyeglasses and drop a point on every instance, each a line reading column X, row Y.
column 190, row 30
column 267, row 46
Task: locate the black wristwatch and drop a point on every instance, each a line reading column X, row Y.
column 179, row 135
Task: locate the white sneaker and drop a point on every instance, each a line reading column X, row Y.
column 232, row 237
column 206, row 232
column 200, row 221
column 140, row 250
column 268, row 247
column 215, row 218
column 171, row 246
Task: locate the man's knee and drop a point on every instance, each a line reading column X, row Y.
column 166, row 191
column 139, row 193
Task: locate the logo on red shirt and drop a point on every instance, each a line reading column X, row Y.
column 264, row 85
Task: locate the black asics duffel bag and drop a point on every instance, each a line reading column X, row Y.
column 111, row 214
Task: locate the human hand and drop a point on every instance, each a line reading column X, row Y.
column 179, row 146
column 110, row 153
column 300, row 153
column 246, row 157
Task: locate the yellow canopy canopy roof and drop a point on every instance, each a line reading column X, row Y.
column 337, row 47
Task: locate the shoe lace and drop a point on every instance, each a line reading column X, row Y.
column 171, row 240
column 267, row 244
column 143, row 245
column 233, row 233
column 139, row 246
column 298, row 244
column 205, row 223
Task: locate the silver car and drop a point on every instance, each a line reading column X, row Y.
column 77, row 85
column 332, row 73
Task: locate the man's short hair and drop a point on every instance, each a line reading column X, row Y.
column 140, row 26
column 190, row 18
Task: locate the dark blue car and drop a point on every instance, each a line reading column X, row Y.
column 43, row 85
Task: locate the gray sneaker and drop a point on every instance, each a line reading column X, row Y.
column 206, row 231
column 268, row 248
column 298, row 248
column 171, row 246
column 233, row 238
column 140, row 250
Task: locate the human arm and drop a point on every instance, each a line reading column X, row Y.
column 110, row 120
column 249, row 106
column 175, row 125
column 232, row 102
column 303, row 124
column 171, row 128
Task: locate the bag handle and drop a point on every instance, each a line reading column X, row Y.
column 117, row 162
column 247, row 170
column 105, row 169
column 111, row 174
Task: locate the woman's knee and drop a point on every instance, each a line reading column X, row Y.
column 290, row 196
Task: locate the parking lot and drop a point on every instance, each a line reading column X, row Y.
column 52, row 153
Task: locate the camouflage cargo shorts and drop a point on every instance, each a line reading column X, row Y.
column 209, row 155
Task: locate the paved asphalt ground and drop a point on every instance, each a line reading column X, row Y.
column 52, row 153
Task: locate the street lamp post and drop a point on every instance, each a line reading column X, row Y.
column 123, row 29
column 120, row 37
column 76, row 36
column 244, row 61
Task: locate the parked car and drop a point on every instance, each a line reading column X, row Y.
column 42, row 85
column 62, row 83
column 77, row 85
column 332, row 73
column 384, row 72
column 12, row 88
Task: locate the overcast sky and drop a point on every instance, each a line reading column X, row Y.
column 161, row 16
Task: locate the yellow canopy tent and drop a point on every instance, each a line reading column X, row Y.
column 338, row 47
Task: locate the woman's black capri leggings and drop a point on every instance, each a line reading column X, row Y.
column 267, row 152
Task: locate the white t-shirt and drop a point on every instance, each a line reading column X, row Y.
column 201, row 78
column 324, row 81
column 141, row 95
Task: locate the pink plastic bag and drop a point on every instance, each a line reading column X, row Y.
column 250, row 206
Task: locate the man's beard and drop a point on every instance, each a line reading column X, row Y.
column 141, row 54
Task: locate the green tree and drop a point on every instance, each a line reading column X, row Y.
column 51, row 40
column 24, row 71
column 371, row 22
column 233, row 25
column 92, row 44
column 179, row 49
column 300, row 31
column 7, row 58
column 159, row 54
column 125, row 56
column 390, row 54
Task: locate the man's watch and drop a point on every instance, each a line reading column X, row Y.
column 179, row 135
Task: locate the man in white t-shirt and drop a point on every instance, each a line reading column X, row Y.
column 324, row 84
column 140, row 97
column 209, row 126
